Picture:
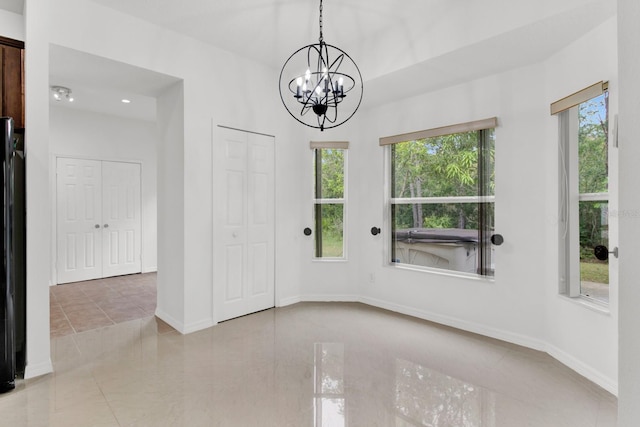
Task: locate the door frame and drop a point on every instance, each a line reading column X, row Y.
column 53, row 191
column 215, row 138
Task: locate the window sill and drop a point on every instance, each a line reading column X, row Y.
column 442, row 272
column 588, row 303
column 330, row 260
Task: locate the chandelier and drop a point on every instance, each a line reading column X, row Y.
column 320, row 85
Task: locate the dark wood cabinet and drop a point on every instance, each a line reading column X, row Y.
column 12, row 81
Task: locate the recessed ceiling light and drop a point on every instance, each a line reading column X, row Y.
column 126, row 101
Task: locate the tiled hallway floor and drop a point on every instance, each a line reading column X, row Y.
column 81, row 306
column 305, row 365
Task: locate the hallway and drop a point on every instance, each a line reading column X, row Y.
column 82, row 306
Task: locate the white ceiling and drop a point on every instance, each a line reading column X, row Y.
column 15, row 6
column 99, row 84
column 400, row 46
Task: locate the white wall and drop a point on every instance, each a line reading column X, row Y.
column 629, row 139
column 11, row 25
column 213, row 91
column 84, row 134
column 37, row 180
column 170, row 111
column 522, row 304
column 584, row 339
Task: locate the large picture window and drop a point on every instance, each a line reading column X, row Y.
column 584, row 193
column 442, row 198
column 329, row 198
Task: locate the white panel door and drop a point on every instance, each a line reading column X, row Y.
column 243, row 239
column 260, row 223
column 98, row 219
column 121, row 224
column 78, row 210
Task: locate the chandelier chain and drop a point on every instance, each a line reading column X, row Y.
column 321, row 37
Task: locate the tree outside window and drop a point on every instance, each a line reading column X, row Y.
column 442, row 201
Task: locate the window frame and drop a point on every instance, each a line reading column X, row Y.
column 567, row 111
column 480, row 126
column 318, row 202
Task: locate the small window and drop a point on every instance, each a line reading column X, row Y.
column 329, row 201
column 442, row 200
column 584, row 197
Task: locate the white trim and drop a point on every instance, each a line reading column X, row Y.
column 199, row 325
column 583, row 369
column 174, row 323
column 588, row 303
column 32, row 371
column 152, row 269
column 440, row 271
column 185, row 329
column 329, row 298
column 593, row 197
column 571, row 362
column 340, row 201
column 288, row 301
column 464, row 325
column 337, row 201
column 434, row 200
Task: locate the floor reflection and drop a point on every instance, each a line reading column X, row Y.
column 425, row 397
column 329, row 402
column 306, row 365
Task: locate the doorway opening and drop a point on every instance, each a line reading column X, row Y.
column 118, row 140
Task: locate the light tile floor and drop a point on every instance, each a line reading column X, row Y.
column 306, row 365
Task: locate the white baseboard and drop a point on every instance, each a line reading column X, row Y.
column 179, row 326
column 198, row 326
column 288, row 301
column 583, row 369
column 175, row 324
column 35, row 370
column 571, row 362
column 153, row 269
column 329, row 298
column 459, row 324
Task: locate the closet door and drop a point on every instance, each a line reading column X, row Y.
column 243, row 239
column 98, row 219
column 121, row 223
column 79, row 231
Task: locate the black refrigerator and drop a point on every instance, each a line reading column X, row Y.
column 13, row 266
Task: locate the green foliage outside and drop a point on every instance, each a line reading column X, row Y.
column 594, row 271
column 593, row 170
column 329, row 170
column 331, row 233
column 445, row 166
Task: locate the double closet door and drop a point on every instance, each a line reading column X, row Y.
column 98, row 219
column 244, row 223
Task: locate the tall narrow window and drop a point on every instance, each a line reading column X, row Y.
column 584, row 194
column 442, row 198
column 329, row 198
